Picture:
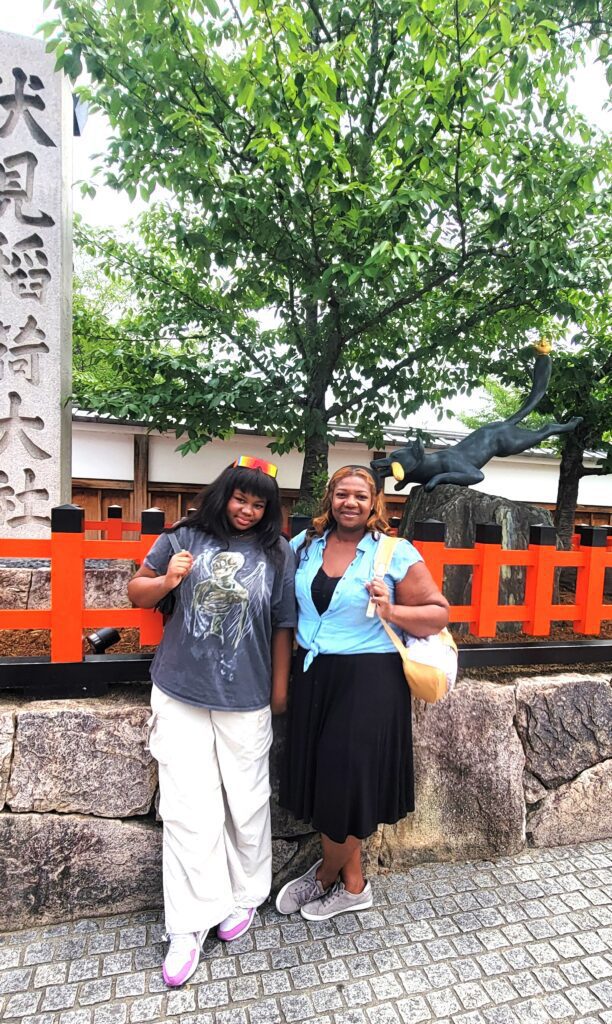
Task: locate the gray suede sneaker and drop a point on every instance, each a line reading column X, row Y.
column 337, row 900
column 304, row 889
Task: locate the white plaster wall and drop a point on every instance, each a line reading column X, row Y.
column 529, row 478
column 166, row 465
column 521, row 479
column 595, row 490
column 102, row 453
column 105, row 451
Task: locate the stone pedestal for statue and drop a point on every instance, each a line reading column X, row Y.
column 35, row 286
column 461, row 509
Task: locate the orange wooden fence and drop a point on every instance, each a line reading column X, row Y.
column 590, row 556
column 67, row 549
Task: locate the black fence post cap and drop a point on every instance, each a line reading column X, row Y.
column 488, row 533
column 152, row 521
column 114, row 512
column 67, row 519
column 594, row 536
column 297, row 523
column 542, row 535
column 430, row 530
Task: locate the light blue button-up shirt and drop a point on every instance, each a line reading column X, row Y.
column 344, row 627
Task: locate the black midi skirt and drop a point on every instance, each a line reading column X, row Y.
column 348, row 758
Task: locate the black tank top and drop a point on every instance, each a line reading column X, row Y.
column 322, row 590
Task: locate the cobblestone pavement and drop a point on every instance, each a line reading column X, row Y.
column 525, row 940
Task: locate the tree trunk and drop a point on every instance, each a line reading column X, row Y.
column 570, row 473
column 314, row 470
column 319, row 365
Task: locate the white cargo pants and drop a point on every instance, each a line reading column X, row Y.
column 215, row 805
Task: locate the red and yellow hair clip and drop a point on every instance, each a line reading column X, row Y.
column 250, row 462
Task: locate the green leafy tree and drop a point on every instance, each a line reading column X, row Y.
column 367, row 196
column 102, row 317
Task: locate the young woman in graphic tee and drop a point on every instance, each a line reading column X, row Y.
column 221, row 669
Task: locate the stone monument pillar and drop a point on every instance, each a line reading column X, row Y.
column 35, row 287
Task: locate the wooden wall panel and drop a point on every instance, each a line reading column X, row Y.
column 88, row 498
column 169, row 502
column 96, row 495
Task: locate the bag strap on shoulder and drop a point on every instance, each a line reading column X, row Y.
column 174, row 544
column 382, row 560
column 384, row 553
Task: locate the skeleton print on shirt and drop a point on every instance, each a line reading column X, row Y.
column 221, row 604
column 215, row 650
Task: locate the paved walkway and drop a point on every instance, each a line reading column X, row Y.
column 525, row 940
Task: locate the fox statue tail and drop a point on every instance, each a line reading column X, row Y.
column 540, row 377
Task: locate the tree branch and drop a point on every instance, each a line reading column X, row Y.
column 122, row 260
column 236, row 13
column 458, row 205
column 491, row 308
column 314, row 8
column 298, row 158
column 407, row 300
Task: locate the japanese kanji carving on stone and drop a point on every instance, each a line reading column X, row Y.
column 7, row 498
column 14, row 429
column 25, row 353
column 35, row 287
column 28, row 498
column 28, row 263
column 20, row 104
column 17, row 186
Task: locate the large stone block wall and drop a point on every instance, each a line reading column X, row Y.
column 22, row 588
column 498, row 767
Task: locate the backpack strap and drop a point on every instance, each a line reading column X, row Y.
column 174, row 544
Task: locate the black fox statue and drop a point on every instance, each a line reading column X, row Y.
column 462, row 463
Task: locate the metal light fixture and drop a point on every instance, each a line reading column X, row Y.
column 103, row 638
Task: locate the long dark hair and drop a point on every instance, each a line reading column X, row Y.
column 210, row 512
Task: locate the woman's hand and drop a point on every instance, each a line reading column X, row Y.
column 146, row 588
column 380, row 595
column 179, row 566
column 419, row 608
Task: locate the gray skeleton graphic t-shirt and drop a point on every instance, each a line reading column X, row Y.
column 215, row 651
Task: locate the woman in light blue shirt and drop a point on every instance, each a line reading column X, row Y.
column 348, row 765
